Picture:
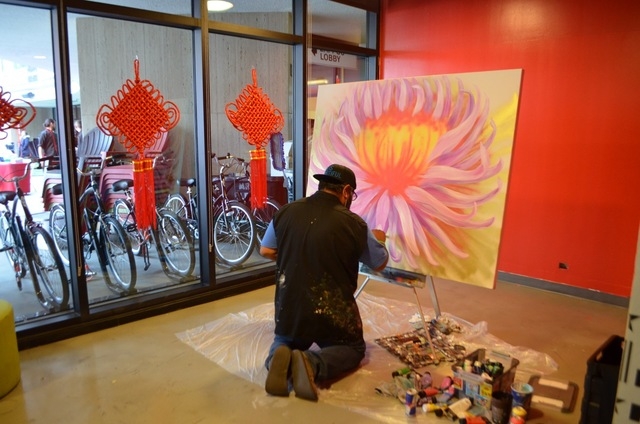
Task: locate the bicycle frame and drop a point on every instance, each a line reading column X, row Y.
column 169, row 234
column 25, row 251
column 92, row 217
column 233, row 232
column 103, row 233
column 239, row 188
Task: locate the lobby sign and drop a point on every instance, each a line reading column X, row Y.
column 332, row 59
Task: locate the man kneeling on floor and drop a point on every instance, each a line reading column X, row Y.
column 317, row 244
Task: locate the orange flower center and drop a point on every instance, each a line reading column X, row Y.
column 394, row 150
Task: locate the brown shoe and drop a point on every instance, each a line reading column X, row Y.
column 277, row 383
column 303, row 377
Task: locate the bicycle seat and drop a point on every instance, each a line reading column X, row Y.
column 187, row 182
column 122, row 185
column 7, row 196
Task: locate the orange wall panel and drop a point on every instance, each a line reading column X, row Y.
column 574, row 188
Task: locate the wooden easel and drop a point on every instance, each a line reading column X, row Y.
column 406, row 279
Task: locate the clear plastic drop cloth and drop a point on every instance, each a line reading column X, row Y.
column 239, row 343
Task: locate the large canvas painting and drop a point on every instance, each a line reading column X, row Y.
column 431, row 155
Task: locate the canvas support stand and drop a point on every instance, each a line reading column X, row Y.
column 408, row 280
column 402, row 279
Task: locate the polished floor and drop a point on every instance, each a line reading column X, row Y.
column 142, row 373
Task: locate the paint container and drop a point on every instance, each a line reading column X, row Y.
column 461, row 406
column 500, row 407
column 522, row 394
column 472, row 420
column 518, row 415
column 410, row 401
column 401, row 371
column 430, row 407
column 516, row 420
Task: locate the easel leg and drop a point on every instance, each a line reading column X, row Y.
column 366, row 280
column 434, row 297
column 425, row 327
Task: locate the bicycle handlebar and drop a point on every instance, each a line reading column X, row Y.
column 17, row 178
column 229, row 156
column 125, row 157
column 232, row 160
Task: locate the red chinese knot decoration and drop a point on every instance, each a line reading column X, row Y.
column 258, row 119
column 137, row 117
column 13, row 116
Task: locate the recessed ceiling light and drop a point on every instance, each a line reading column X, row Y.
column 318, row 81
column 218, row 5
column 40, row 57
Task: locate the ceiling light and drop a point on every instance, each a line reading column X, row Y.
column 218, row 5
column 318, row 81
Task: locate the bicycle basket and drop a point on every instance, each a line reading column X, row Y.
column 238, row 188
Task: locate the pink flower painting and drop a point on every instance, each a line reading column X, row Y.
column 431, row 155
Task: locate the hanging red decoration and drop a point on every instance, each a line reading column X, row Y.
column 12, row 115
column 137, row 117
column 258, row 119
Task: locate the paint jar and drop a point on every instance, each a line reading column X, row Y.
column 522, row 394
column 500, row 407
column 410, row 401
column 518, row 415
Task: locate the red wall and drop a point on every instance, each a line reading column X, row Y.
column 573, row 192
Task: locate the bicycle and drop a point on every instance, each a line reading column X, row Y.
column 239, row 188
column 103, row 234
column 185, row 209
column 171, row 237
column 29, row 245
column 234, row 229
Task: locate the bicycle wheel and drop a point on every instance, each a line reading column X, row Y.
column 58, row 228
column 15, row 254
column 127, row 218
column 49, row 270
column 175, row 245
column 234, row 233
column 176, row 204
column 263, row 217
column 117, row 249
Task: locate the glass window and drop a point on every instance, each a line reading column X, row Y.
column 126, row 263
column 232, row 62
column 338, row 21
column 176, row 7
column 273, row 15
column 329, row 67
column 33, row 281
column 107, row 51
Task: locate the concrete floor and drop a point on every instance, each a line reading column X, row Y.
column 142, row 373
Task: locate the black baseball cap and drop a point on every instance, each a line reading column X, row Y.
column 338, row 174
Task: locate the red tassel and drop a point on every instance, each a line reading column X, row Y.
column 258, row 177
column 143, row 187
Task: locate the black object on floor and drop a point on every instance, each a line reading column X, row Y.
column 601, row 382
